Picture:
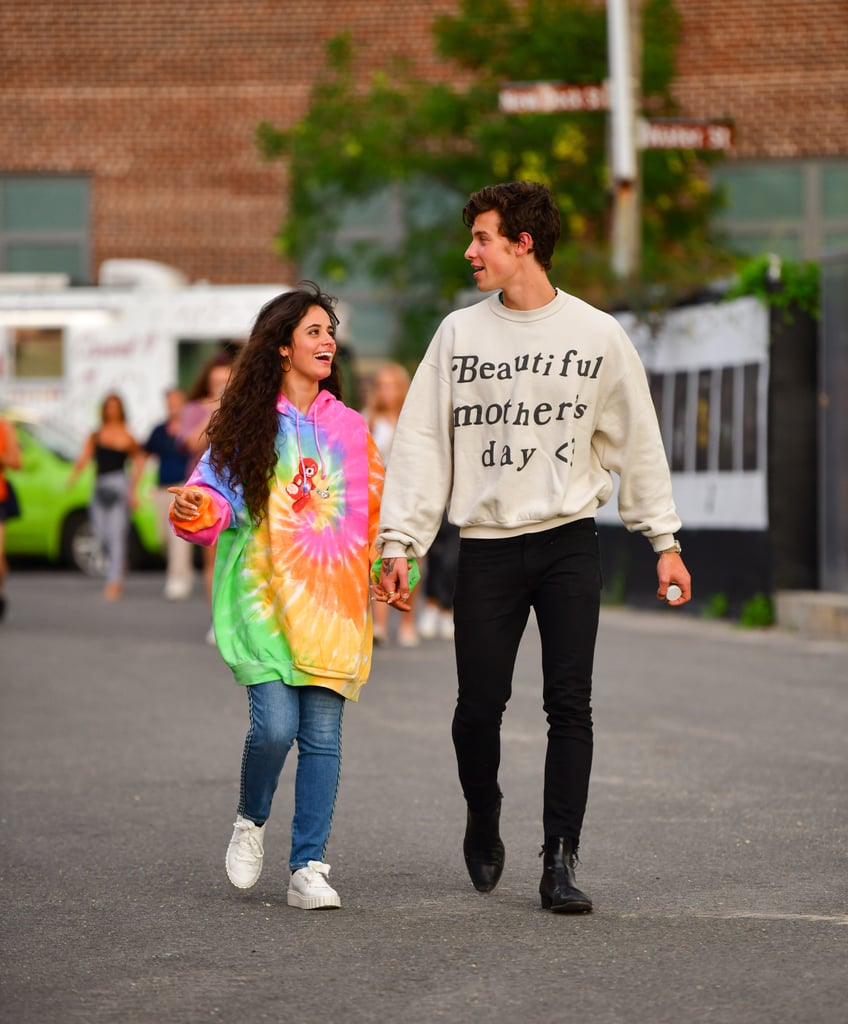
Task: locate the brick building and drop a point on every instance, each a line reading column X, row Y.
column 127, row 130
column 154, row 106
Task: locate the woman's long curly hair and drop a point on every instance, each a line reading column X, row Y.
column 243, row 431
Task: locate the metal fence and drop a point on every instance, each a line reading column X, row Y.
column 833, row 448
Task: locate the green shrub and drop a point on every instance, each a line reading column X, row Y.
column 716, row 607
column 757, row 612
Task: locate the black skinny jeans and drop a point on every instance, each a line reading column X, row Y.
column 557, row 573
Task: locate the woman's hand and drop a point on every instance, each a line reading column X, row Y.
column 187, row 501
column 393, row 587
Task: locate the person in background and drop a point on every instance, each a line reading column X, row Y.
column 166, row 445
column 203, row 399
column 523, row 407
column 290, row 487
column 111, row 447
column 10, row 458
column 436, row 619
column 385, row 401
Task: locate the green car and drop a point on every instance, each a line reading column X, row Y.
column 53, row 522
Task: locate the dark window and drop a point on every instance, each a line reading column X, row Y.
column 797, row 209
column 45, row 226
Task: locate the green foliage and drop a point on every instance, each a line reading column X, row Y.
column 757, row 612
column 427, row 146
column 782, row 283
column 716, row 607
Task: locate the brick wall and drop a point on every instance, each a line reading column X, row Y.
column 778, row 68
column 158, row 101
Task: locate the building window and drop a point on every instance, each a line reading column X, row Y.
column 36, row 351
column 370, row 235
column 796, row 209
column 45, row 226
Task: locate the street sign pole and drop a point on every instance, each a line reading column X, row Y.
column 629, row 134
column 624, row 163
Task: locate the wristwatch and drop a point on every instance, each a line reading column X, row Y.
column 674, row 549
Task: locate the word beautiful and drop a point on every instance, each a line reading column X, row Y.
column 470, row 369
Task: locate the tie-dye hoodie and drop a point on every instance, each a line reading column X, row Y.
column 290, row 597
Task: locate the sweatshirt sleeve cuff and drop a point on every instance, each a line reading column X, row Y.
column 393, row 549
column 663, row 542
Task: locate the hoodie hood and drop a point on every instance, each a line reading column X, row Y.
column 322, row 407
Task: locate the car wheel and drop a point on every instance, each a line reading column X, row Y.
column 80, row 549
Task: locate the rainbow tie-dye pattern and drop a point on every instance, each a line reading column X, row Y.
column 290, row 596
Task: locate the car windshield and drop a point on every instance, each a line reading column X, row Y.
column 56, row 437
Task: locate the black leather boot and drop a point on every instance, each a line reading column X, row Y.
column 483, row 848
column 557, row 888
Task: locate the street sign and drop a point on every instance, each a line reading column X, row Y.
column 675, row 133
column 550, row 97
column 657, row 133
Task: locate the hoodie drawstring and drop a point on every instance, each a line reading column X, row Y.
column 317, row 444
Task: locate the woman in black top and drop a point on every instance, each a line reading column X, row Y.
column 111, row 447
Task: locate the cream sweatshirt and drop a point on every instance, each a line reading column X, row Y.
column 516, row 421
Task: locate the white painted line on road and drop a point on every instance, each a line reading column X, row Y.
column 753, row 916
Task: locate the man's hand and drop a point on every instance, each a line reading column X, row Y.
column 670, row 569
column 393, row 587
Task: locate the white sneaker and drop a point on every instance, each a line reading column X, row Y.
column 245, row 853
column 210, row 637
column 408, row 638
column 428, row 622
column 446, row 626
column 310, row 890
column 177, row 590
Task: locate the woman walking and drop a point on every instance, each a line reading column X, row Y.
column 290, row 488
column 111, row 447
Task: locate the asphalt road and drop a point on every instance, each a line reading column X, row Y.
column 714, row 844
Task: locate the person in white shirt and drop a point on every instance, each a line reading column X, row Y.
column 523, row 407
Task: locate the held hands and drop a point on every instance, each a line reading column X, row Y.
column 393, row 587
column 672, row 572
column 186, row 501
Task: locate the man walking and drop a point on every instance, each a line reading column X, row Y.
column 522, row 408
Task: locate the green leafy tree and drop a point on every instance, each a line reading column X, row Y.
column 427, row 146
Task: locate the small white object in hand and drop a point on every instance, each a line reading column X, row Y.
column 673, row 592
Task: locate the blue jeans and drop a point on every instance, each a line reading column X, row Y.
column 110, row 520
column 279, row 715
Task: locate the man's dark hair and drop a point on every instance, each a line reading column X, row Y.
column 523, row 206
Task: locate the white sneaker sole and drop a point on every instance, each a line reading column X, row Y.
column 239, row 885
column 327, row 901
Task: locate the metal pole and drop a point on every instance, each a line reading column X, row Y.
column 625, row 216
